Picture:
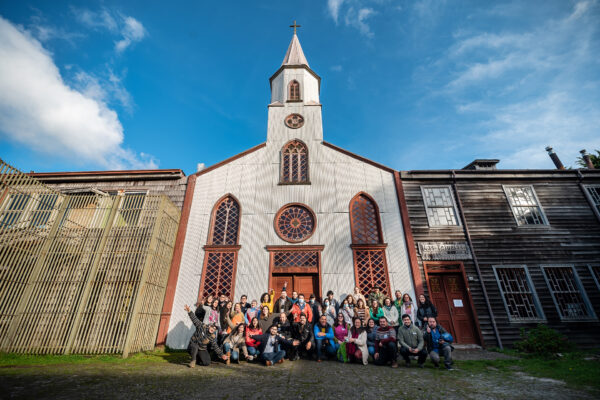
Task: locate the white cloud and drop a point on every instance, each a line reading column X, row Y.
column 39, row 110
column 529, row 88
column 128, row 27
column 106, row 89
column 132, row 31
column 333, row 6
column 358, row 19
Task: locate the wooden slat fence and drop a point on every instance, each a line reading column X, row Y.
column 81, row 273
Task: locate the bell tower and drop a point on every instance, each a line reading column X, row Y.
column 295, row 110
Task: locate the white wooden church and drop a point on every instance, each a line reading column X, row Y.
column 294, row 208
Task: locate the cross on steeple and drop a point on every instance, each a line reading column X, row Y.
column 294, row 26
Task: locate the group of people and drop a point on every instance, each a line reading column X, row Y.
column 360, row 329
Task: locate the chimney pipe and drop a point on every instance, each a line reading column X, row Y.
column 587, row 159
column 555, row 158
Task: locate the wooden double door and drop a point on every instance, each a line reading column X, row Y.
column 448, row 293
column 306, row 284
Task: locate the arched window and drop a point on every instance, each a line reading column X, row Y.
column 294, row 91
column 225, row 222
column 370, row 265
column 294, row 162
column 221, row 251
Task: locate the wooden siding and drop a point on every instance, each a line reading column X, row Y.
column 571, row 238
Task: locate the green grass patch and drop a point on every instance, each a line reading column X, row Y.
column 151, row 357
column 571, row 368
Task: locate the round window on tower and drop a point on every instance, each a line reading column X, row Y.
column 294, row 121
column 295, row 223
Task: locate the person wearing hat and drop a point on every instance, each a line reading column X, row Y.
column 438, row 343
column 204, row 336
column 376, row 294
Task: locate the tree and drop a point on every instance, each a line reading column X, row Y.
column 595, row 160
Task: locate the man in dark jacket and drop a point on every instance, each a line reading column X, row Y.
column 204, row 336
column 244, row 303
column 302, row 332
column 282, row 304
column 270, row 346
column 316, row 308
column 436, row 345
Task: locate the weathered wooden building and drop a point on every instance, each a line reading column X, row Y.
column 170, row 182
column 498, row 250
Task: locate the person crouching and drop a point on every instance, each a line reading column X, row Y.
column 270, row 346
column 204, row 336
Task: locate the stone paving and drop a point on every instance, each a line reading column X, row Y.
column 290, row 380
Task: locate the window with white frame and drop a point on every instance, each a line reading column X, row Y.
column 593, row 194
column 568, row 293
column 440, row 206
column 517, row 291
column 525, row 205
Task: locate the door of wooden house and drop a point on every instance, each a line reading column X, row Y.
column 448, row 293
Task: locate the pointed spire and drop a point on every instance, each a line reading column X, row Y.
column 294, row 55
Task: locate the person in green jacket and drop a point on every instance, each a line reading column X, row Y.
column 376, row 311
column 410, row 341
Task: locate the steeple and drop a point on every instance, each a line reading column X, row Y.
column 294, row 54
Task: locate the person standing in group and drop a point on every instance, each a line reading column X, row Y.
column 333, row 301
column 252, row 344
column 234, row 318
column 316, row 308
column 410, row 339
column 356, row 343
column 204, row 336
column 425, row 311
column 347, row 312
column 376, row 294
column 301, row 308
column 438, row 343
column 351, row 301
column 408, row 307
column 267, row 299
column 212, row 315
column 236, row 342
column 391, row 313
column 386, row 348
column 223, row 313
column 244, row 303
column 270, row 347
column 252, row 312
column 265, row 319
column 376, row 311
column 371, row 335
column 357, row 295
column 362, row 311
column 329, row 311
column 283, row 303
column 324, row 338
column 303, row 333
column 398, row 301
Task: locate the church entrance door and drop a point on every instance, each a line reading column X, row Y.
column 302, row 283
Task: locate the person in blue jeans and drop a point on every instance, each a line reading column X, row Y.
column 270, row 346
column 323, row 334
column 371, row 336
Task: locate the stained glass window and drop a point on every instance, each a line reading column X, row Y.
column 295, row 223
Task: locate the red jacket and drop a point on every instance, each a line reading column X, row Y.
column 296, row 311
column 249, row 341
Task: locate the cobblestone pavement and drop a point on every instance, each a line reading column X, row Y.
column 290, row 380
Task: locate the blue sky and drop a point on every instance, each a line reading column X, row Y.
column 418, row 84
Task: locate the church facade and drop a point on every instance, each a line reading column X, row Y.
column 294, row 209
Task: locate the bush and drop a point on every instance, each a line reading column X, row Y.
column 542, row 341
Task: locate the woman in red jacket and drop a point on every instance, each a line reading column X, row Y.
column 251, row 344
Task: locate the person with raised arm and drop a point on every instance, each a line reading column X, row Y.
column 283, row 302
column 204, row 336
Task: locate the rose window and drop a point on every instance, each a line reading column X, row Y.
column 295, row 223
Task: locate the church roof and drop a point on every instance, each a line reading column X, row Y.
column 294, row 54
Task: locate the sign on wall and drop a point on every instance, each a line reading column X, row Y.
column 444, row 251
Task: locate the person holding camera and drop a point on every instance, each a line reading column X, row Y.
column 438, row 343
